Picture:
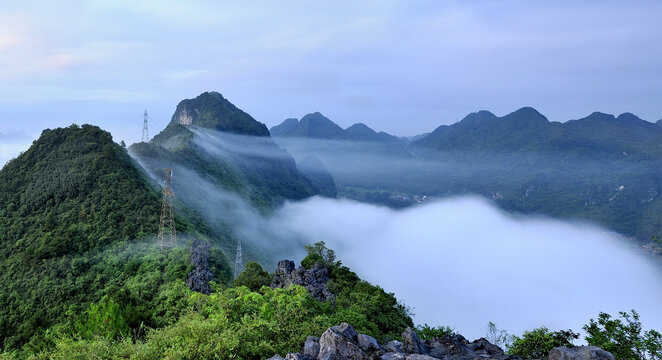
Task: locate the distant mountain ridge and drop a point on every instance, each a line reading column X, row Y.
column 318, row 126
column 528, row 130
column 602, row 168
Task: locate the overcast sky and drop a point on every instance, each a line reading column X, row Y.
column 404, row 67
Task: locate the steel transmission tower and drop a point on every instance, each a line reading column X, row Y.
column 167, row 236
column 238, row 264
column 145, row 131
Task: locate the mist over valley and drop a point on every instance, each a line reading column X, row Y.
column 373, row 180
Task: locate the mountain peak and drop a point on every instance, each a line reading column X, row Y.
column 628, row 116
column 316, row 125
column 211, row 110
column 527, row 112
column 479, row 115
column 600, row 115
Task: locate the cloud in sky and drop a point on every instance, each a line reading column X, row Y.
column 400, row 66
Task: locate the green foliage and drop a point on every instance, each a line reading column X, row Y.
column 230, row 323
column 367, row 307
column 426, row 332
column 318, row 252
column 624, row 338
column 77, row 224
column 253, row 277
column 537, row 343
column 104, row 319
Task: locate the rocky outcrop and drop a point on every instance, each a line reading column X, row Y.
column 198, row 279
column 344, row 342
column 580, row 353
column 314, row 279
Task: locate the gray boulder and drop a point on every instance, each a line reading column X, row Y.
column 484, row 347
column 411, row 344
column 276, row 357
column 368, row 343
column 393, row 356
column 297, row 356
column 394, row 346
column 347, row 330
column 420, row 357
column 455, row 346
column 312, row 346
column 336, row 345
column 580, row 353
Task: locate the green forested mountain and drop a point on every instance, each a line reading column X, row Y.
column 223, row 175
column 82, row 277
column 78, row 224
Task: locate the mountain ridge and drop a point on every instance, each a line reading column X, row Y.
column 317, row 126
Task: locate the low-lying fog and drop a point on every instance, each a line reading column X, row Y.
column 462, row 262
column 459, row 262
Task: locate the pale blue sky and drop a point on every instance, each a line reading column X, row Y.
column 404, row 67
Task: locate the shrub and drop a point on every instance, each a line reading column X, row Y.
column 624, row 338
column 537, row 343
column 426, row 332
column 253, row 277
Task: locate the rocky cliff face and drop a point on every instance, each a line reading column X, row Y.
column 344, row 342
column 314, row 279
column 198, row 279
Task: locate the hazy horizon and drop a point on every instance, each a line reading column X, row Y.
column 400, row 67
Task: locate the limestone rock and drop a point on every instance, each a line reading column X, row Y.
column 297, row 356
column 411, row 343
column 484, row 347
column 368, row 343
column 347, row 330
column 420, row 357
column 393, row 356
column 580, row 353
column 198, row 279
column 312, row 346
column 394, row 346
column 335, row 345
column 314, row 279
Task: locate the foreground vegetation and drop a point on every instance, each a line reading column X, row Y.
column 232, row 322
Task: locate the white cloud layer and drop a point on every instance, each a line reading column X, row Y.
column 461, row 262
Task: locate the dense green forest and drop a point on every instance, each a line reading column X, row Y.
column 82, row 274
column 77, row 224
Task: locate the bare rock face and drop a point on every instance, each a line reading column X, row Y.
column 580, row 353
column 314, row 279
column 298, row 356
column 198, row 279
column 368, row 343
column 339, row 343
column 312, row 346
column 484, row 347
column 411, row 343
